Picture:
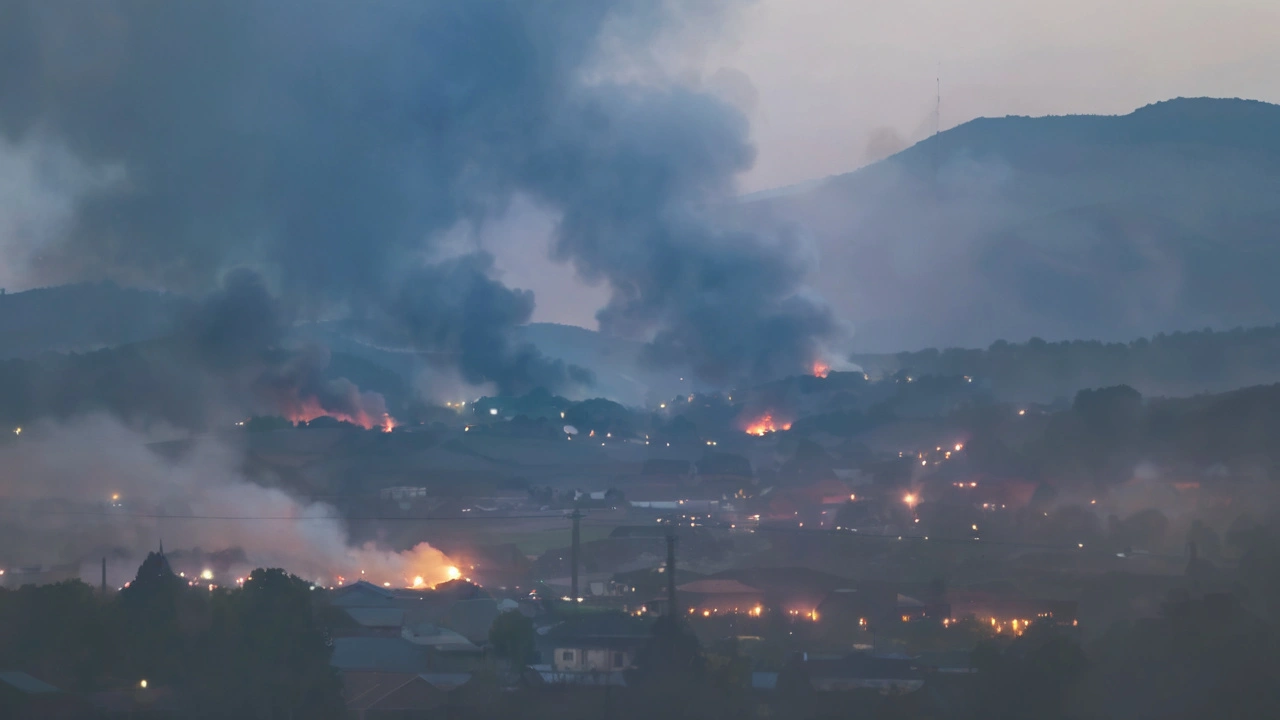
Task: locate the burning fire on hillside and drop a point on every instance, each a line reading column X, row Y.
column 764, row 425
column 298, row 390
column 821, row 369
column 310, row 409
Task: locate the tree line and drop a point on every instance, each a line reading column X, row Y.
column 1174, row 364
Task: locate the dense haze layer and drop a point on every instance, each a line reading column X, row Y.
column 1063, row 228
column 831, row 75
column 332, row 145
column 104, row 490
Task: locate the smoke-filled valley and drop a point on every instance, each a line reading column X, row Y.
column 106, row 490
column 813, row 457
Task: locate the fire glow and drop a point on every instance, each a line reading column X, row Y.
column 311, row 409
column 821, row 369
column 420, row 583
column 421, row 567
column 764, row 425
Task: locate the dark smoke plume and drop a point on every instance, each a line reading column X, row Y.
column 229, row 354
column 458, row 308
column 329, row 143
column 239, row 334
column 234, row 325
column 296, row 388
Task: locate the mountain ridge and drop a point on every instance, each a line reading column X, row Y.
column 1064, row 227
column 1154, row 221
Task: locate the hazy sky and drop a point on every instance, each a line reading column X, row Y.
column 832, row 84
column 829, row 72
column 836, row 83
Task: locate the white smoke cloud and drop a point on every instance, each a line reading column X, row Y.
column 440, row 384
column 94, row 485
column 41, row 184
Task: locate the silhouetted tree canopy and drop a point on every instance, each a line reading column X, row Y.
column 512, row 637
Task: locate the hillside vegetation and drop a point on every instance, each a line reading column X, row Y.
column 1107, row 228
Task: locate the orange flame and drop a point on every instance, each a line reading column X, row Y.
column 821, row 369
column 310, row 409
column 765, row 425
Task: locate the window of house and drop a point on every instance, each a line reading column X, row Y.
column 566, row 656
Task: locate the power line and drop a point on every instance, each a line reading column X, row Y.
column 485, row 518
column 971, row 541
column 165, row 516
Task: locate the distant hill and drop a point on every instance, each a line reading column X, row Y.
column 82, row 317
column 615, row 361
column 1178, row 364
column 88, row 317
column 156, row 380
column 1102, row 228
column 1096, row 227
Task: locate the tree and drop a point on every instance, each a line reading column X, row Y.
column 512, row 637
column 1203, row 658
column 794, row 689
column 672, row 657
column 1205, row 538
column 1032, row 678
column 1144, row 529
column 64, row 634
column 810, row 462
column 162, row 617
column 714, row 463
column 267, row 656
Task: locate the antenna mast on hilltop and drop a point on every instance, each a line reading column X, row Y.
column 937, row 108
column 937, row 129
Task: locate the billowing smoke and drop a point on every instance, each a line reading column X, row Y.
column 297, row 389
column 881, row 143
column 329, row 144
column 458, row 309
column 239, row 336
column 723, row 300
column 114, row 495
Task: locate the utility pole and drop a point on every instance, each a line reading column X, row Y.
column 104, row 576
column 671, row 574
column 573, row 555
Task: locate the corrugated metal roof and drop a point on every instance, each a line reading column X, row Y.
column 439, row 638
column 395, row 655
column 361, row 594
column 446, row 681
column 377, row 617
column 362, row 689
column 472, row 618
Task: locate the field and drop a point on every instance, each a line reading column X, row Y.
column 533, row 536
